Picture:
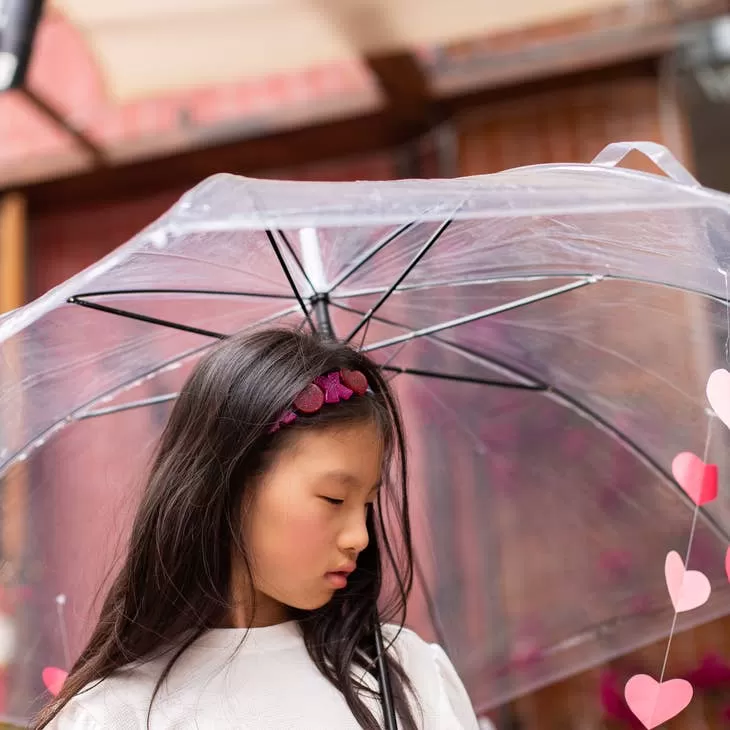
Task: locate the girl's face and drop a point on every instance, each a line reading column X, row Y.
column 306, row 523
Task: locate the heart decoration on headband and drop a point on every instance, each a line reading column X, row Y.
column 355, row 381
column 331, row 388
column 310, row 400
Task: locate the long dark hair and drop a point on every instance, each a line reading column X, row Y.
column 175, row 582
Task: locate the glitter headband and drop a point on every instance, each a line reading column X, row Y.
column 334, row 387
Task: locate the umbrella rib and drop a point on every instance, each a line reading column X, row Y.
column 531, row 385
column 454, row 283
column 476, row 316
column 289, row 278
column 365, row 257
column 143, row 403
column 77, row 412
column 293, row 253
column 568, row 401
column 463, row 378
column 211, row 292
column 412, row 265
column 144, row 318
column 70, row 418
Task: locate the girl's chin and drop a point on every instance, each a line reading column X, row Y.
column 312, row 603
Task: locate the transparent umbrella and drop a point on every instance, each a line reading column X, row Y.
column 549, row 331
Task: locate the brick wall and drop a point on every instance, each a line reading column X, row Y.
column 571, row 125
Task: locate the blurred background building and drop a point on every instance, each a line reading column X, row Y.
column 126, row 105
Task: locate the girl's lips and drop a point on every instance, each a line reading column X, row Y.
column 337, row 580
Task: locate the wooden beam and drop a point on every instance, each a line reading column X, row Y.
column 12, row 250
column 406, row 89
column 342, row 138
column 401, row 78
column 50, row 112
column 14, row 496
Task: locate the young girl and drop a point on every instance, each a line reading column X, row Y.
column 248, row 595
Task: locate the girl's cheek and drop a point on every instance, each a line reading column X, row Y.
column 310, row 530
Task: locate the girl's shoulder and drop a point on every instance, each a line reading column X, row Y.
column 435, row 681
column 117, row 702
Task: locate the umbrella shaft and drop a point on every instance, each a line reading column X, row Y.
column 321, row 311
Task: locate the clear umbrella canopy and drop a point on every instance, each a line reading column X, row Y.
column 549, row 331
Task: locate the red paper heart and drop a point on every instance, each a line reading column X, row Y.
column 355, row 381
column 53, row 678
column 655, row 703
column 310, row 400
column 698, row 479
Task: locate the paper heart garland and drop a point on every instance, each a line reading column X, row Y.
column 688, row 589
column 53, row 678
column 718, row 393
column 655, row 703
column 699, row 480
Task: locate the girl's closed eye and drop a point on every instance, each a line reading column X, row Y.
column 333, row 500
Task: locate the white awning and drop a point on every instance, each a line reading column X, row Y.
column 146, row 47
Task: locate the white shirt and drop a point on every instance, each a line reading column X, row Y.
column 267, row 682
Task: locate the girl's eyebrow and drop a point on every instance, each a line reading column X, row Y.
column 348, row 480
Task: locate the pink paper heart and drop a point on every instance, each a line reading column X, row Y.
column 718, row 393
column 698, row 479
column 727, row 563
column 53, row 678
column 655, row 703
column 688, row 589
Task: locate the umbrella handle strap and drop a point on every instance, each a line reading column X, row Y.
column 614, row 153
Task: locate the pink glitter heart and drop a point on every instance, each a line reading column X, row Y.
column 334, row 390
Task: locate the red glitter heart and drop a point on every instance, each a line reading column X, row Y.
column 355, row 381
column 310, row 400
